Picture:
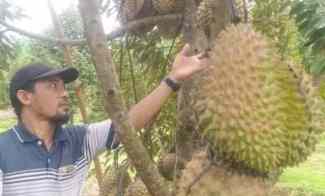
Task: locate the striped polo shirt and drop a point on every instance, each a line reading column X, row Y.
column 28, row 169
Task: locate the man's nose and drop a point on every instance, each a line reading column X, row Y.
column 65, row 92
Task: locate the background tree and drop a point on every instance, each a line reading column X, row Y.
column 8, row 12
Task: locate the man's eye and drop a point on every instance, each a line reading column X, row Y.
column 53, row 85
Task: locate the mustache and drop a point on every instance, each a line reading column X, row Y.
column 64, row 102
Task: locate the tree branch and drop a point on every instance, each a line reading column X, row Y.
column 114, row 34
column 40, row 37
column 114, row 102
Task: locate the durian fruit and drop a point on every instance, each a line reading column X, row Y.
column 205, row 13
column 129, row 9
column 168, row 6
column 137, row 188
column 250, row 107
column 113, row 181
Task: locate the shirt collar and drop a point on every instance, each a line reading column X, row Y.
column 60, row 134
column 24, row 135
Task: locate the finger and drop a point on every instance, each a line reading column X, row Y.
column 203, row 55
column 186, row 51
column 203, row 62
column 200, row 60
column 200, row 68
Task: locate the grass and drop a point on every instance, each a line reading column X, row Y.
column 308, row 176
column 5, row 124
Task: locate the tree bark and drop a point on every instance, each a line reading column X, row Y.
column 77, row 84
column 185, row 133
column 200, row 41
column 114, row 103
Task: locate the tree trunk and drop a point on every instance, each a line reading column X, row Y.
column 114, row 103
column 187, row 139
column 185, row 134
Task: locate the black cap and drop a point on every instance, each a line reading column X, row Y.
column 33, row 72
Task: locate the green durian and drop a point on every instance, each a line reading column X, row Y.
column 250, row 106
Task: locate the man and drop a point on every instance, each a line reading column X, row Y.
column 39, row 157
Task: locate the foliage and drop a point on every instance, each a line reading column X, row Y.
column 310, row 19
column 5, row 124
column 71, row 22
column 4, row 90
column 12, row 50
column 21, row 56
column 272, row 18
column 142, row 63
column 8, row 12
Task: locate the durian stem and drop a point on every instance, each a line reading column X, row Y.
column 202, row 177
column 196, row 179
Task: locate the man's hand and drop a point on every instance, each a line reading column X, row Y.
column 185, row 65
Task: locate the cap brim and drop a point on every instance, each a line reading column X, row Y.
column 67, row 74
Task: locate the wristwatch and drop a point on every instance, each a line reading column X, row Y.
column 175, row 86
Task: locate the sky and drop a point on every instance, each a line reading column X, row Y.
column 39, row 17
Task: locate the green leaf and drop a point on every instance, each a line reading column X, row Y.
column 316, row 37
column 313, row 25
column 317, row 69
column 319, row 45
column 297, row 7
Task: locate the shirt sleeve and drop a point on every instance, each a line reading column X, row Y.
column 100, row 136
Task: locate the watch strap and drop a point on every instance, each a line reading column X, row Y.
column 175, row 86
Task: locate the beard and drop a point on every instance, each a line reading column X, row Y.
column 61, row 118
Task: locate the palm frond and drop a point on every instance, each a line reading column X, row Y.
column 310, row 20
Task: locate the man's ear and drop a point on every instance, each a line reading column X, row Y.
column 24, row 97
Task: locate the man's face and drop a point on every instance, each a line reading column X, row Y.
column 50, row 100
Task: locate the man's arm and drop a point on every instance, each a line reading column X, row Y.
column 100, row 136
column 183, row 67
column 144, row 111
